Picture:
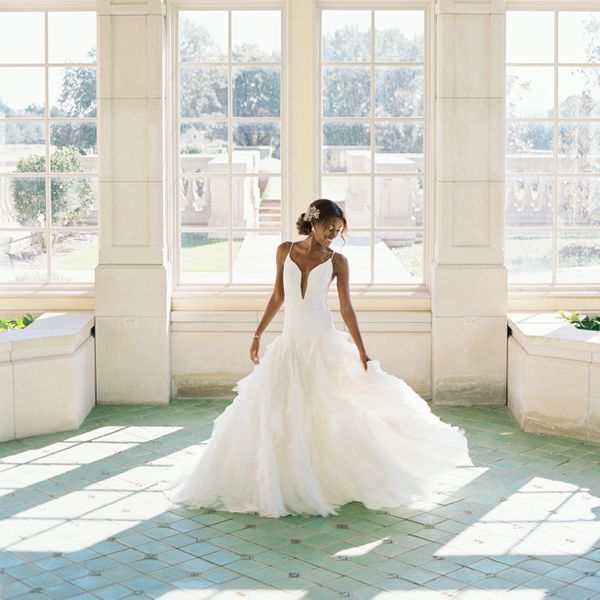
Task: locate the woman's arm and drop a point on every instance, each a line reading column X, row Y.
column 346, row 308
column 274, row 304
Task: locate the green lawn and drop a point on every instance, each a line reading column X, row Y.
column 206, row 256
column 411, row 256
column 86, row 258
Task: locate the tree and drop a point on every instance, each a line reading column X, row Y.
column 70, row 197
column 77, row 99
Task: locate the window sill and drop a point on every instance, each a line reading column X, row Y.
column 255, row 298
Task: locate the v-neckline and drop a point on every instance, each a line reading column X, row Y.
column 309, row 272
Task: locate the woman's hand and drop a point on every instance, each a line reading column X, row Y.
column 364, row 358
column 254, row 348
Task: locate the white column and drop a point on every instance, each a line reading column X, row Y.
column 132, row 278
column 469, row 322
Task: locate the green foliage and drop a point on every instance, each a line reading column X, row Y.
column 70, row 197
column 581, row 320
column 5, row 325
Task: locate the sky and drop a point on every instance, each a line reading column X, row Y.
column 22, row 40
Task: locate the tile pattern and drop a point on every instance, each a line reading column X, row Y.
column 82, row 516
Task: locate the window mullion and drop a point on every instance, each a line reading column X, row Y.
column 555, row 158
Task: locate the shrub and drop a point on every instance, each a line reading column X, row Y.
column 581, row 321
column 70, row 196
column 5, row 325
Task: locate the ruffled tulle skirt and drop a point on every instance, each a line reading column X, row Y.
column 311, row 430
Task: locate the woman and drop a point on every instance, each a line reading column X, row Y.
column 318, row 423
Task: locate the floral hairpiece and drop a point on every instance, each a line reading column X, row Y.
column 311, row 213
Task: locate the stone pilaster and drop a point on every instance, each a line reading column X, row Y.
column 469, row 321
column 133, row 275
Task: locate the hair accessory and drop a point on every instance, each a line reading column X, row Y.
column 311, row 213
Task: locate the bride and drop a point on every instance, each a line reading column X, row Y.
column 318, row 423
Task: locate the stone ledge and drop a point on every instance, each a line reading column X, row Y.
column 554, row 376
column 47, row 375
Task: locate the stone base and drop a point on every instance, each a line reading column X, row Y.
column 133, row 358
column 554, row 376
column 47, row 379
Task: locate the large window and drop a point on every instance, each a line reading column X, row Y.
column 230, row 192
column 553, row 147
column 373, row 122
column 48, row 149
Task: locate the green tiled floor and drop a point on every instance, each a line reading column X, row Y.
column 82, row 516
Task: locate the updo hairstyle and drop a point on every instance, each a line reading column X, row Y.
column 328, row 211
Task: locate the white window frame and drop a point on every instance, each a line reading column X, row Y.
column 182, row 290
column 81, row 289
column 427, row 6
column 553, row 287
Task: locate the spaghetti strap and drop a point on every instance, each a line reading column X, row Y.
column 290, row 250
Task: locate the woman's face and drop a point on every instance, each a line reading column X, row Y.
column 326, row 233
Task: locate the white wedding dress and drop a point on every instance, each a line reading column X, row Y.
column 310, row 429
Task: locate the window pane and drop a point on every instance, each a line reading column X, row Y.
column 398, row 147
column 204, row 201
column 22, row 147
column 23, row 256
column 530, row 91
column 353, row 194
column 578, row 37
column 256, row 202
column 22, row 37
column 203, row 36
column 256, row 91
column 256, row 36
column 73, row 147
column 205, row 256
column 578, row 258
column 579, row 147
column 22, row 201
column 399, row 35
column 256, row 148
column 578, row 92
column 346, row 147
column 399, row 91
column 528, row 201
column 398, row 257
column 357, row 249
column 399, row 201
column 203, row 92
column 203, row 147
column 254, row 257
column 74, row 201
column 21, row 92
column 579, row 202
column 74, row 256
column 71, row 37
column 346, row 92
column 72, row 91
column 520, row 47
column 346, row 35
column 529, row 257
column 529, row 147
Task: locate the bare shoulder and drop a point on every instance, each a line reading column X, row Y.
column 282, row 250
column 340, row 263
column 284, row 247
column 339, row 260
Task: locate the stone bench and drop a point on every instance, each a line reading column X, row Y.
column 47, row 375
column 554, row 375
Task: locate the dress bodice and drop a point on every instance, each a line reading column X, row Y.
column 306, row 316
